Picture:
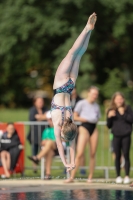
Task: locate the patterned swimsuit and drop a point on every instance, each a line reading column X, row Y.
column 66, row 88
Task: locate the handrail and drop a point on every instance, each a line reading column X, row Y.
column 46, row 123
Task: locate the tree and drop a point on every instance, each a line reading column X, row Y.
column 36, row 35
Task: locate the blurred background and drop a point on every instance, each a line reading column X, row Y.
column 36, row 35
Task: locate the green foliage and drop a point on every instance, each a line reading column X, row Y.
column 113, row 84
column 36, row 35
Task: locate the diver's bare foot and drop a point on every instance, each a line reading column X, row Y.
column 70, row 180
column 89, row 180
column 7, row 174
column 91, row 21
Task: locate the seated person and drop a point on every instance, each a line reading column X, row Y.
column 49, row 148
column 10, row 149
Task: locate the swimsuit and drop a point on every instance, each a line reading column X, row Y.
column 66, row 88
column 89, row 126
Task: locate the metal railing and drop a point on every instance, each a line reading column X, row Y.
column 104, row 159
column 103, row 154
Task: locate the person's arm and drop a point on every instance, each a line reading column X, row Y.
column 128, row 115
column 110, row 116
column 57, row 132
column 78, row 118
column 109, row 122
column 3, row 145
column 77, row 111
column 72, row 152
column 32, row 114
column 99, row 113
column 41, row 117
column 15, row 141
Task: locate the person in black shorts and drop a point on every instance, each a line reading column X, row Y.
column 87, row 112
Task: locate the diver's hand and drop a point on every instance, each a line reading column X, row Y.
column 70, row 167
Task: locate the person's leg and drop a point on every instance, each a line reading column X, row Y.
column 48, row 162
column 43, row 142
column 34, row 149
column 8, row 160
column 82, row 164
column 48, row 146
column 75, row 66
column 34, row 152
column 117, row 150
column 66, row 65
column 82, row 160
column 122, row 162
column 5, row 162
column 126, row 143
column 93, row 147
column 14, row 154
column 83, row 138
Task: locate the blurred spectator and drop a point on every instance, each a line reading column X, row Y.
column 106, row 104
column 10, row 149
column 49, row 148
column 87, row 112
column 120, row 119
column 74, row 98
column 37, row 113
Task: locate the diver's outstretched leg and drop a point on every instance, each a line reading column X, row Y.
column 65, row 67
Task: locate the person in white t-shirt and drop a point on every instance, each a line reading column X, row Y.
column 87, row 112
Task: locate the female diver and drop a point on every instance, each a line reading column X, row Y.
column 64, row 82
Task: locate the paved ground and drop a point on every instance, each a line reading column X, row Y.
column 36, row 185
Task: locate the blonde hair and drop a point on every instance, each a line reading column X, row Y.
column 112, row 103
column 69, row 130
column 93, row 87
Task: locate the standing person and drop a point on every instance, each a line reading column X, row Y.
column 87, row 112
column 120, row 119
column 64, row 83
column 10, row 149
column 37, row 113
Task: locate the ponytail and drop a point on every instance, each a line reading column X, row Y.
column 68, row 121
column 69, row 130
